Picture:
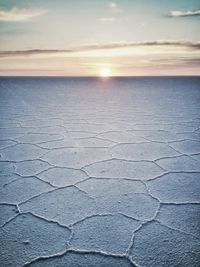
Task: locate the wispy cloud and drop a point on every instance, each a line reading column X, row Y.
column 185, row 44
column 191, row 46
column 109, row 19
column 20, row 14
column 176, row 61
column 189, row 13
column 115, row 8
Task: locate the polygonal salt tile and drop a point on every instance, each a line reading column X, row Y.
column 150, row 127
column 76, row 157
column 95, row 128
column 182, row 163
column 6, row 179
column 177, row 128
column 196, row 157
column 74, row 119
column 43, row 123
column 117, row 126
column 64, row 205
column 144, row 151
column 122, row 137
column 11, row 133
column 107, row 233
column 49, row 130
column 22, row 152
column 156, row 245
column 22, row 189
column 8, row 123
column 138, row 206
column 187, row 146
column 94, row 142
column 81, row 134
column 62, row 176
column 158, row 136
column 7, row 213
column 6, row 143
column 184, row 217
column 104, row 187
column 27, row 237
column 66, row 142
column 6, row 168
column 176, row 187
column 31, row 167
column 37, row 138
column 191, row 136
column 83, row 259
column 124, row 169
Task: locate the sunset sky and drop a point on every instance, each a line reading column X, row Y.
column 84, row 37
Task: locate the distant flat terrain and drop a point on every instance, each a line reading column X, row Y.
column 100, row 172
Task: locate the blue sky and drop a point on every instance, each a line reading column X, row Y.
column 156, row 37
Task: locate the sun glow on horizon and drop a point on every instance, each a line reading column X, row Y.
column 105, row 72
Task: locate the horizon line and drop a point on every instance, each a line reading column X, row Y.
column 96, row 76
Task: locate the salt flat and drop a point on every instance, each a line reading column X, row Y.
column 100, row 172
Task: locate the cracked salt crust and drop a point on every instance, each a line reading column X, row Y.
column 100, row 178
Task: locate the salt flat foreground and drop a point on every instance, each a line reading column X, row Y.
column 100, row 173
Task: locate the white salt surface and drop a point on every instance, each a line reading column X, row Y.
column 100, row 173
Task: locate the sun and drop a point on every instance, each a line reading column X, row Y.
column 105, row 72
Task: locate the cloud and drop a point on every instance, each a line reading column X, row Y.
column 189, row 13
column 194, row 46
column 176, row 61
column 114, row 8
column 104, row 20
column 20, row 14
column 185, row 44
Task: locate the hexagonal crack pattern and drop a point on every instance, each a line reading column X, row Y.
column 99, row 173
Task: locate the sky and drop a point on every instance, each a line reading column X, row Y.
column 91, row 37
